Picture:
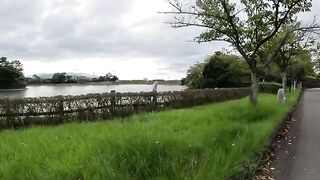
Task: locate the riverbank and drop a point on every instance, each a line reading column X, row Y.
column 206, row 142
column 121, row 82
column 8, row 87
column 18, row 89
column 171, row 83
column 83, row 89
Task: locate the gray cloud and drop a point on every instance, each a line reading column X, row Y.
column 56, row 30
column 50, row 29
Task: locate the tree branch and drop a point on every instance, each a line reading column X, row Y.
column 277, row 26
column 236, row 36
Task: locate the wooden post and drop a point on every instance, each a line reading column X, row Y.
column 61, row 109
column 154, row 99
column 10, row 117
column 113, row 103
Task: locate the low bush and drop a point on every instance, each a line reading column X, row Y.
column 269, row 87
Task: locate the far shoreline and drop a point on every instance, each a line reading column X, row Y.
column 12, row 89
column 125, row 82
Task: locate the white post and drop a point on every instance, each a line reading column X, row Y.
column 155, row 86
column 281, row 96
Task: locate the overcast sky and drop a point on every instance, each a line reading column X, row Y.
column 126, row 37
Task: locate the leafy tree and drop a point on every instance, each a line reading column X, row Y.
column 247, row 25
column 35, row 79
column 271, row 73
column 101, row 78
column 70, row 79
column 59, row 78
column 114, row 78
column 11, row 73
column 225, row 71
column 194, row 77
column 301, row 66
column 219, row 70
column 291, row 41
column 111, row 77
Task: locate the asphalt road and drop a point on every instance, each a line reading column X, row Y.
column 300, row 157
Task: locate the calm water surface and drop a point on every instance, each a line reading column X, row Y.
column 55, row 90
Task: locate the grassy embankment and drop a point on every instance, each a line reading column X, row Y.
column 205, row 142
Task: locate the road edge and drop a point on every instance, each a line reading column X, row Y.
column 280, row 142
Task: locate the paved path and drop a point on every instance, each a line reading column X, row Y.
column 300, row 160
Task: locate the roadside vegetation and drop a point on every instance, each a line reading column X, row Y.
column 264, row 34
column 224, row 70
column 214, row 141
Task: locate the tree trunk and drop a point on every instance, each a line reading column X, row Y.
column 254, row 89
column 284, row 81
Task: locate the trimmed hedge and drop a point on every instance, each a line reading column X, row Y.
column 269, row 87
column 60, row 109
column 311, row 83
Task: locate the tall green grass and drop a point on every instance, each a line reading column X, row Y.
column 205, row 142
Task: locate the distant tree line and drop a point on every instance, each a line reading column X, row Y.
column 108, row 77
column 59, row 78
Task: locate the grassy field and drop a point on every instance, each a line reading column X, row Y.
column 206, row 142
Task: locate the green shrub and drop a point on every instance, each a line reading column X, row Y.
column 269, row 87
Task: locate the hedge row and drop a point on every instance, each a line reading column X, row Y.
column 269, row 87
column 16, row 113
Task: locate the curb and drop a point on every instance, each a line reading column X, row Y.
column 278, row 137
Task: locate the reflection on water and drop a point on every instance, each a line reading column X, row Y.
column 55, row 90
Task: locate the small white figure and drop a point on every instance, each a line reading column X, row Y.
column 281, row 96
column 155, row 86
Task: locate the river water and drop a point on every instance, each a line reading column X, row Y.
column 80, row 89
